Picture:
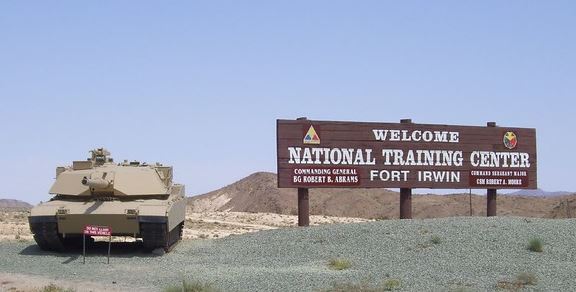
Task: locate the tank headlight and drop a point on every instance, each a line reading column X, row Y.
column 62, row 211
column 131, row 212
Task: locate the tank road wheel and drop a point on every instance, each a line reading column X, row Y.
column 47, row 237
column 42, row 243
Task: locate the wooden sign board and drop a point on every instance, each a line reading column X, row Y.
column 325, row 154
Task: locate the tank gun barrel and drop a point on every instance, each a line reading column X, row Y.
column 97, row 183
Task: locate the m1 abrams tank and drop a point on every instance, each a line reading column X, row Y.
column 134, row 199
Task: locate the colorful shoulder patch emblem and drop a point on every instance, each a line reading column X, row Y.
column 311, row 136
column 510, row 140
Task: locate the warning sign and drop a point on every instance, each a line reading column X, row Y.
column 97, row 230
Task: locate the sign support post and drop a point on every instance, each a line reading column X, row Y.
column 303, row 207
column 96, row 231
column 491, row 193
column 84, row 248
column 491, row 202
column 405, row 203
column 109, row 245
column 303, row 200
column 406, row 193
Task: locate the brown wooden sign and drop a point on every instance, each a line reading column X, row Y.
column 315, row 154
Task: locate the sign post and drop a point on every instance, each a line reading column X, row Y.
column 491, row 193
column 92, row 230
column 406, row 193
column 303, row 200
column 303, row 207
column 405, row 155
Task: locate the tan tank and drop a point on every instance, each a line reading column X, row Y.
column 134, row 199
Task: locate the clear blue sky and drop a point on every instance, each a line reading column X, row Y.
column 199, row 85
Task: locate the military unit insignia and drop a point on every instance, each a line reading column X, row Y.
column 311, row 136
column 510, row 140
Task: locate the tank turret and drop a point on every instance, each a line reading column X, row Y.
column 99, row 175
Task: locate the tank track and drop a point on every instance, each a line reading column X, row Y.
column 47, row 237
column 155, row 235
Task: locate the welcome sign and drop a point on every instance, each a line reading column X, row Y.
column 404, row 155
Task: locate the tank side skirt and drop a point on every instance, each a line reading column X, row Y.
column 152, row 219
column 155, row 235
column 42, row 219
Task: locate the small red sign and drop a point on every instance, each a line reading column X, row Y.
column 97, row 230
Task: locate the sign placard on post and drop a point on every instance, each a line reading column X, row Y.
column 92, row 230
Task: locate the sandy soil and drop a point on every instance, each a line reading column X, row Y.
column 14, row 224
column 220, row 224
column 30, row 283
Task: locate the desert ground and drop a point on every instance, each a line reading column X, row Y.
column 240, row 217
column 198, row 226
column 442, row 254
column 204, row 225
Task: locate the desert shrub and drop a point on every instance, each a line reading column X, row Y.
column 54, row 288
column 339, row 264
column 351, row 287
column 435, row 239
column 388, row 285
column 191, row 287
column 527, row 279
column 521, row 281
column 391, row 284
column 535, row 244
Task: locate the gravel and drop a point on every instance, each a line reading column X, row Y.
column 464, row 254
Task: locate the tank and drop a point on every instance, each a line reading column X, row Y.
column 132, row 198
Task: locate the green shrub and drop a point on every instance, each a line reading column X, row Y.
column 388, row 285
column 391, row 284
column 352, row 287
column 435, row 239
column 191, row 287
column 54, row 288
column 339, row 264
column 535, row 244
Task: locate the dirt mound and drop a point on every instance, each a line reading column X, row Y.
column 259, row 193
column 16, row 204
column 565, row 207
column 255, row 193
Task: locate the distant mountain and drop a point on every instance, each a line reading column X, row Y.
column 539, row 193
column 259, row 193
column 16, row 204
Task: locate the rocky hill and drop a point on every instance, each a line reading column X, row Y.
column 259, row 193
column 14, row 204
column 539, row 193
